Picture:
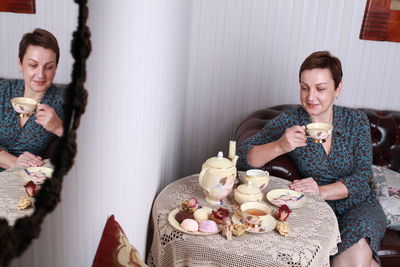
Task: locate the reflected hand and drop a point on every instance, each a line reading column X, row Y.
column 306, row 185
column 28, row 159
column 293, row 138
column 48, row 118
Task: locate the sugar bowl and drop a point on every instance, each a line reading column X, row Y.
column 247, row 192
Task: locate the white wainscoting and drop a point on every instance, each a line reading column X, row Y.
column 130, row 138
column 59, row 17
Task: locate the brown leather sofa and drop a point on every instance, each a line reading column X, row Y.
column 385, row 131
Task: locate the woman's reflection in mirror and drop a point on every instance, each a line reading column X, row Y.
column 23, row 140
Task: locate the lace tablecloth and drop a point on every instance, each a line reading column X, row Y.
column 11, row 189
column 313, row 236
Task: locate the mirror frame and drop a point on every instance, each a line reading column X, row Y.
column 14, row 241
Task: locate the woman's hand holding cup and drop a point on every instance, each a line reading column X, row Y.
column 48, row 118
column 293, row 138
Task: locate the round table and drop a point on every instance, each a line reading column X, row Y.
column 12, row 183
column 313, row 236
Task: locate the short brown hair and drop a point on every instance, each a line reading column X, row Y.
column 39, row 37
column 323, row 60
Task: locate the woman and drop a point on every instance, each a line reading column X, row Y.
column 337, row 170
column 24, row 139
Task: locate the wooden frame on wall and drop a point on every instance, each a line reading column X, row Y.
column 381, row 21
column 18, row 6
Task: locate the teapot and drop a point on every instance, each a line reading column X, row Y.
column 218, row 175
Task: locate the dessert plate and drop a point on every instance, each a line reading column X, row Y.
column 24, row 174
column 268, row 226
column 177, row 226
column 293, row 199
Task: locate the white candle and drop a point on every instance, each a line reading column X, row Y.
column 232, row 149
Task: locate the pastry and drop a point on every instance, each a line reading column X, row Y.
column 190, row 225
column 208, row 226
column 201, row 215
column 182, row 215
column 219, row 215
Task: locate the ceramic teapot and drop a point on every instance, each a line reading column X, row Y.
column 217, row 177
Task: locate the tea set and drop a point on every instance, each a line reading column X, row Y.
column 217, row 179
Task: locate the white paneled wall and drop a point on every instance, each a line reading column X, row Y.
column 59, row 17
column 245, row 55
column 130, row 137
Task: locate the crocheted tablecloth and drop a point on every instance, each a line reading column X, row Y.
column 313, row 236
column 11, row 189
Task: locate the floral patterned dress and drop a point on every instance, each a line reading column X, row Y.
column 350, row 160
column 32, row 137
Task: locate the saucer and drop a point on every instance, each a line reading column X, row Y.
column 269, row 225
column 24, row 174
column 299, row 199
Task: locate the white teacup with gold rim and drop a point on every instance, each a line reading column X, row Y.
column 25, row 106
column 318, row 131
column 256, row 214
column 257, row 177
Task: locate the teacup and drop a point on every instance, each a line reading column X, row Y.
column 25, row 106
column 319, row 132
column 257, row 177
column 255, row 214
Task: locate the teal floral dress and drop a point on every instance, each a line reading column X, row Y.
column 350, row 160
column 32, row 137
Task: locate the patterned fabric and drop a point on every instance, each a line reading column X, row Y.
column 349, row 161
column 386, row 184
column 114, row 248
column 32, row 136
column 304, row 245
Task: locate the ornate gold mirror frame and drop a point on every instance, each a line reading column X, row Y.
column 14, row 241
column 381, row 21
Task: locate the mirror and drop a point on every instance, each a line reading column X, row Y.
column 16, row 239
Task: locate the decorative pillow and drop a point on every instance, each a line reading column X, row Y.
column 114, row 248
column 386, row 184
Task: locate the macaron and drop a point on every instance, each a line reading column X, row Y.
column 190, row 225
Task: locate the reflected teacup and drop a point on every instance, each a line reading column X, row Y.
column 257, row 177
column 255, row 214
column 319, row 132
column 24, row 105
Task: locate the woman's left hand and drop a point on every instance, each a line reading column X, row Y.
column 306, row 185
column 48, row 118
